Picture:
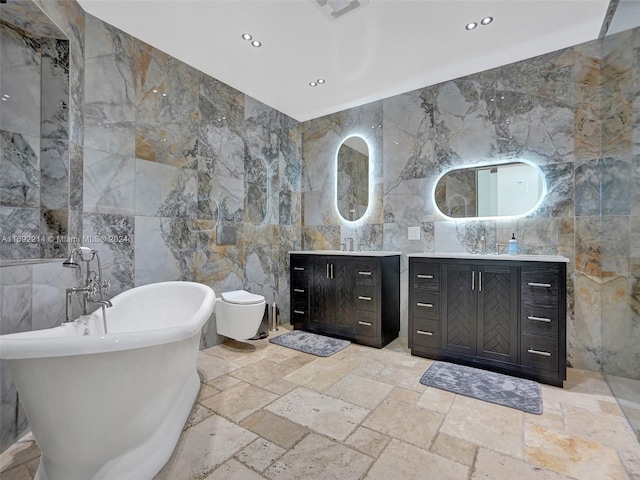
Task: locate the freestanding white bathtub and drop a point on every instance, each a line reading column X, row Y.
column 112, row 406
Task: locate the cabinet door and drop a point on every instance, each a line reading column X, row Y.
column 497, row 289
column 459, row 316
column 342, row 277
column 322, row 301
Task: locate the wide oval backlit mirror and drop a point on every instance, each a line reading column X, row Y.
column 352, row 182
column 511, row 189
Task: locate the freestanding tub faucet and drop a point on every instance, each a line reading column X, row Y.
column 94, row 287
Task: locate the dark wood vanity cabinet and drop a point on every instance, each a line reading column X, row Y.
column 504, row 315
column 352, row 297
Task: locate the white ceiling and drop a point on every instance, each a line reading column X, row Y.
column 380, row 49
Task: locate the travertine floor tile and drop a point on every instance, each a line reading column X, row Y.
column 455, row 448
column 240, row 401
column 261, row 373
column 406, row 462
column 367, row 441
column 224, row 382
column 234, row 470
column 487, row 424
column 318, row 458
column 405, row 375
column 405, row 422
column 612, row 430
column 324, row 414
column 319, row 374
column 496, row 466
column 279, row 430
column 211, row 367
column 572, row 456
column 198, row 413
column 18, row 454
column 359, row 390
column 21, row 472
column 280, row 387
column 205, row 446
column 206, row 391
column 436, row 400
column 260, row 454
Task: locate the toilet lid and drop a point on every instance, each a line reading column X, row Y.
column 242, row 297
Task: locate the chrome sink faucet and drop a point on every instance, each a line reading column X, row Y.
column 483, row 245
column 350, row 249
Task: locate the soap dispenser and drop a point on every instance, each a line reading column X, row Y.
column 513, row 245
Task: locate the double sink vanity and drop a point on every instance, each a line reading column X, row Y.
column 500, row 312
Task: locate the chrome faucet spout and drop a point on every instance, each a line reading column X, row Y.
column 350, row 243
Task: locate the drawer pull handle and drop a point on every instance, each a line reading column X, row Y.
column 423, row 332
column 428, row 305
column 541, row 285
column 538, row 352
column 366, row 324
column 299, row 312
column 539, row 319
column 364, row 273
column 298, row 290
column 368, row 299
column 424, row 276
column 299, row 269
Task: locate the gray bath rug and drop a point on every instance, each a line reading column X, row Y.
column 491, row 387
column 310, row 343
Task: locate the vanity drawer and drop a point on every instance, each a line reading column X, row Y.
column 366, row 324
column 366, row 298
column 366, row 272
column 299, row 271
column 539, row 351
column 426, row 333
column 539, row 320
column 425, row 277
column 426, row 305
column 539, row 285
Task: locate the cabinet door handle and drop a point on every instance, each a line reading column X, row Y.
column 473, row 280
column 539, row 319
column 364, row 273
column 366, row 324
column 328, row 271
column 424, row 332
column 541, row 285
column 424, row 276
column 298, row 290
column 331, row 268
column 299, row 269
column 428, row 305
column 368, row 299
column 299, row 312
column 479, row 281
column 538, row 352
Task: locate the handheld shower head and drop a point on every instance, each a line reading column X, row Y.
column 70, row 262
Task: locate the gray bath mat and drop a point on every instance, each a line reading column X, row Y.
column 310, row 343
column 491, row 387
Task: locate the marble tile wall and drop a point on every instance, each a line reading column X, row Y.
column 159, row 155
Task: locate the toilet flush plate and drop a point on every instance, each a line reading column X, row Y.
column 226, row 235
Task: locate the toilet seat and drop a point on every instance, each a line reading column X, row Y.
column 242, row 297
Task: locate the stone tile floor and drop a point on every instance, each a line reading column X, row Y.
column 268, row 412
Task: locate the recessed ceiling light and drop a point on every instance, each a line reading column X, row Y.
column 320, row 81
column 471, row 26
column 246, row 36
column 486, row 20
column 256, row 43
column 313, row 84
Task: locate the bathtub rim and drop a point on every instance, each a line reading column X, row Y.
column 39, row 344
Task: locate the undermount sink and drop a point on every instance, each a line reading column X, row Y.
column 363, row 253
column 492, row 256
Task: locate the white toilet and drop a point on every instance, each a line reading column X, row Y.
column 239, row 314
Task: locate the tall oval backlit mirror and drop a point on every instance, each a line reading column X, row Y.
column 500, row 190
column 352, row 183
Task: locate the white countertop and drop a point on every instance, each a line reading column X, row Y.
column 491, row 256
column 364, row 253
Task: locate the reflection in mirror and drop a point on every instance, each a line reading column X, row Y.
column 352, row 178
column 499, row 190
